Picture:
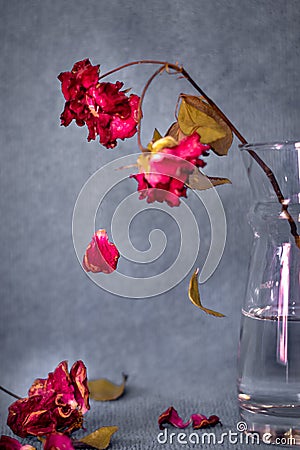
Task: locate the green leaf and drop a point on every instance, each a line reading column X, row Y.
column 198, row 180
column 103, row 390
column 100, row 439
column 195, row 114
column 194, row 295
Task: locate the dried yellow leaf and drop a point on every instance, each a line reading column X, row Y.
column 165, row 142
column 103, row 390
column 100, row 438
column 195, row 114
column 194, row 295
column 198, row 180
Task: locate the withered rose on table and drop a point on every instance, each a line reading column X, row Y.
column 53, row 404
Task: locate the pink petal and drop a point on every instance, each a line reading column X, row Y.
column 79, row 381
column 58, row 441
column 201, row 421
column 101, row 255
column 190, row 148
column 170, row 416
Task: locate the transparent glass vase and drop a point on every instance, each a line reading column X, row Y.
column 269, row 346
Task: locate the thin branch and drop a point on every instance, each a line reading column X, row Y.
column 179, row 69
column 140, row 113
column 9, row 393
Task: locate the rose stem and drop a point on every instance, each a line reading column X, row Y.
column 179, row 69
column 9, row 393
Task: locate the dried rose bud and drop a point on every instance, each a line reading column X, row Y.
column 164, row 172
column 100, row 255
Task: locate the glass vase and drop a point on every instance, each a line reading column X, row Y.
column 269, row 346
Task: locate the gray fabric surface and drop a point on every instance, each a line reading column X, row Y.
column 137, row 412
column 245, row 54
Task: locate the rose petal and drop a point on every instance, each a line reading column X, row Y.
column 170, row 416
column 55, row 403
column 9, row 443
column 101, row 255
column 58, row 441
column 201, row 421
column 79, row 381
column 32, row 415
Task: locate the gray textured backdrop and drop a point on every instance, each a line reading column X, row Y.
column 245, row 54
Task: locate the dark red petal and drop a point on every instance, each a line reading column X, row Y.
column 110, row 99
column 32, row 415
column 125, row 127
column 65, row 78
column 170, row 416
column 9, row 443
column 67, row 115
column 81, row 65
column 90, row 77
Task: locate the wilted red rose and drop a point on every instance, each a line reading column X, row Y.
column 58, row 441
column 9, row 443
column 165, row 170
column 53, row 404
column 100, row 255
column 106, row 110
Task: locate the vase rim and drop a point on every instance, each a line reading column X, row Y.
column 274, row 145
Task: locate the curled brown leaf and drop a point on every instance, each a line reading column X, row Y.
column 194, row 296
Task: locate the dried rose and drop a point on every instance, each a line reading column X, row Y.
column 170, row 416
column 106, row 110
column 58, row 441
column 100, row 255
column 9, row 443
column 201, row 421
column 164, row 172
column 53, row 404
